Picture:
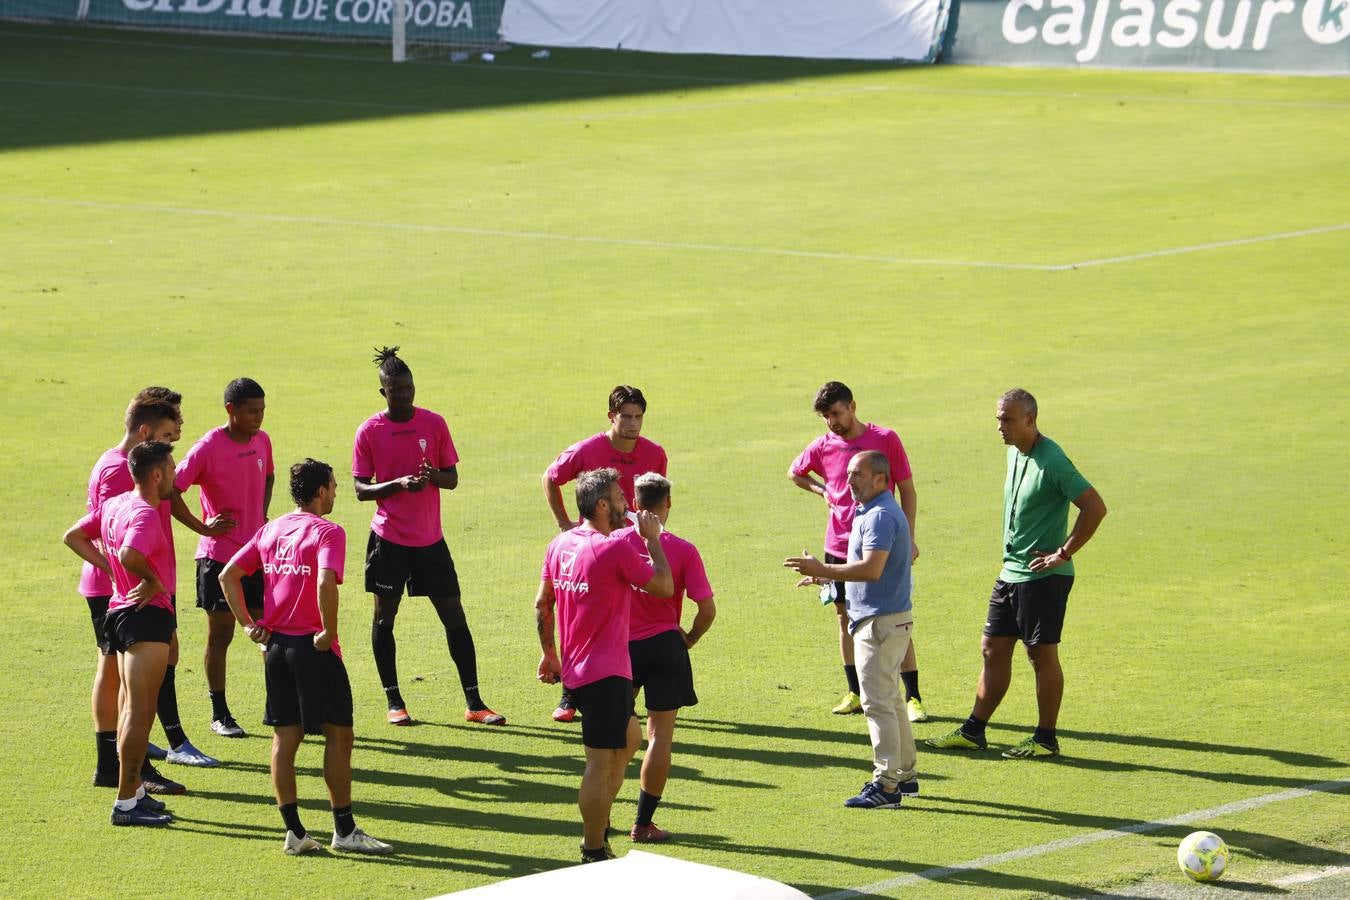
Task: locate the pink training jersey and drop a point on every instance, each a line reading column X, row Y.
column 386, row 450
column 110, row 477
column 232, row 478
column 828, row 456
column 291, row 550
column 128, row 522
column 654, row 615
column 593, row 577
column 596, row 452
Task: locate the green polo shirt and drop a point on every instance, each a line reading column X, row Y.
column 1036, row 499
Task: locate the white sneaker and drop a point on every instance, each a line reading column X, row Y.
column 187, row 755
column 360, row 842
column 295, row 846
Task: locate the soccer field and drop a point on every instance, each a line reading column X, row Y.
column 1161, row 258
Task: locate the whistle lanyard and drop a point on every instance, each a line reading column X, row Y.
column 1017, row 490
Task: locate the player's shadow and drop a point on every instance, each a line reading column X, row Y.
column 775, row 732
column 120, row 85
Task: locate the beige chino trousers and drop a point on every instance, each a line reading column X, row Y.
column 879, row 646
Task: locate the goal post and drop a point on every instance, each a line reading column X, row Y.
column 420, row 29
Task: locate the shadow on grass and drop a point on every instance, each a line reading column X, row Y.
column 75, row 85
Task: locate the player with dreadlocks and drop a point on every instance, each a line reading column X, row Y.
column 403, row 458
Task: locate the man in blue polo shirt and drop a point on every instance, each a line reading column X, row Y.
column 880, row 618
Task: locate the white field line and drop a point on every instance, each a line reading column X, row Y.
column 985, row 862
column 654, row 244
column 1306, row 877
column 548, row 69
column 524, row 235
column 1195, row 248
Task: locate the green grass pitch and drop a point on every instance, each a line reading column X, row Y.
column 726, row 234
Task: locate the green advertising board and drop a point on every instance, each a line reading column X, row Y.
column 1305, row 36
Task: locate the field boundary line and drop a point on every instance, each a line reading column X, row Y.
column 1308, row 877
column 1196, row 248
column 524, row 235
column 782, row 252
column 994, row 859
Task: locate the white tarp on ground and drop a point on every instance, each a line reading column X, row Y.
column 637, row 874
column 818, row 29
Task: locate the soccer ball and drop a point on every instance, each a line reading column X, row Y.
column 1203, row 856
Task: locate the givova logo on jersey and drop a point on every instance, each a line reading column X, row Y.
column 284, row 560
column 567, row 566
column 1222, row 25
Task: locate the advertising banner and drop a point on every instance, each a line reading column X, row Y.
column 908, row 30
column 1305, row 36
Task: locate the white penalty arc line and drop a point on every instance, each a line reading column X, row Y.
column 782, row 252
column 985, row 862
column 1308, row 877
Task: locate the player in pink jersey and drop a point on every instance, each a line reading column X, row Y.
column 146, row 420
column 621, row 448
column 232, row 467
column 140, row 621
column 828, row 456
column 659, row 649
column 402, row 459
column 589, row 576
column 301, row 556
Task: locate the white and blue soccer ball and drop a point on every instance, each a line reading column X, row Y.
column 1203, row 856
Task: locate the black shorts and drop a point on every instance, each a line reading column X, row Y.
column 1032, row 611
column 305, row 686
column 837, row 589
column 426, row 571
column 606, row 706
column 98, row 611
column 211, row 596
column 661, row 668
column 129, row 625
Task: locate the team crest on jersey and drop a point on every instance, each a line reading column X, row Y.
column 260, row 467
column 567, row 561
column 285, row 548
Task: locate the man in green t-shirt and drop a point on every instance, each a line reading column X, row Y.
column 1032, row 591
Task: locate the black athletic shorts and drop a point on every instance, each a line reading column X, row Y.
column 837, row 589
column 426, row 571
column 98, row 611
column 661, row 668
column 1032, row 611
column 211, row 596
column 305, row 686
column 606, row 706
column 129, row 625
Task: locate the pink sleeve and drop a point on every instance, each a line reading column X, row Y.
column 543, row 568
column 566, row 466
column 632, row 567
column 696, row 585
column 333, row 550
column 248, row 557
column 808, row 461
column 448, row 456
column 91, row 524
column 362, row 465
column 895, row 455
column 270, row 468
column 661, row 466
column 144, row 532
column 190, row 467
column 107, row 484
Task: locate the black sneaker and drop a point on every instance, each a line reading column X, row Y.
column 909, row 787
column 138, row 815
column 105, row 779
column 155, row 806
column 600, row 854
column 156, row 783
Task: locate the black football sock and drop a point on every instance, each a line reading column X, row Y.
column 106, row 742
column 167, row 709
column 851, row 673
column 386, row 662
column 290, row 814
column 973, row 727
column 646, row 807
column 466, row 661
column 911, row 681
column 343, row 822
column 1045, row 736
column 220, row 710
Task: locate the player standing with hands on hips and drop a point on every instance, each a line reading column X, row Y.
column 1032, row 591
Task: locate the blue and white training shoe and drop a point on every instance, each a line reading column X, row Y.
column 154, row 752
column 139, row 815
column 873, row 796
column 187, row 755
